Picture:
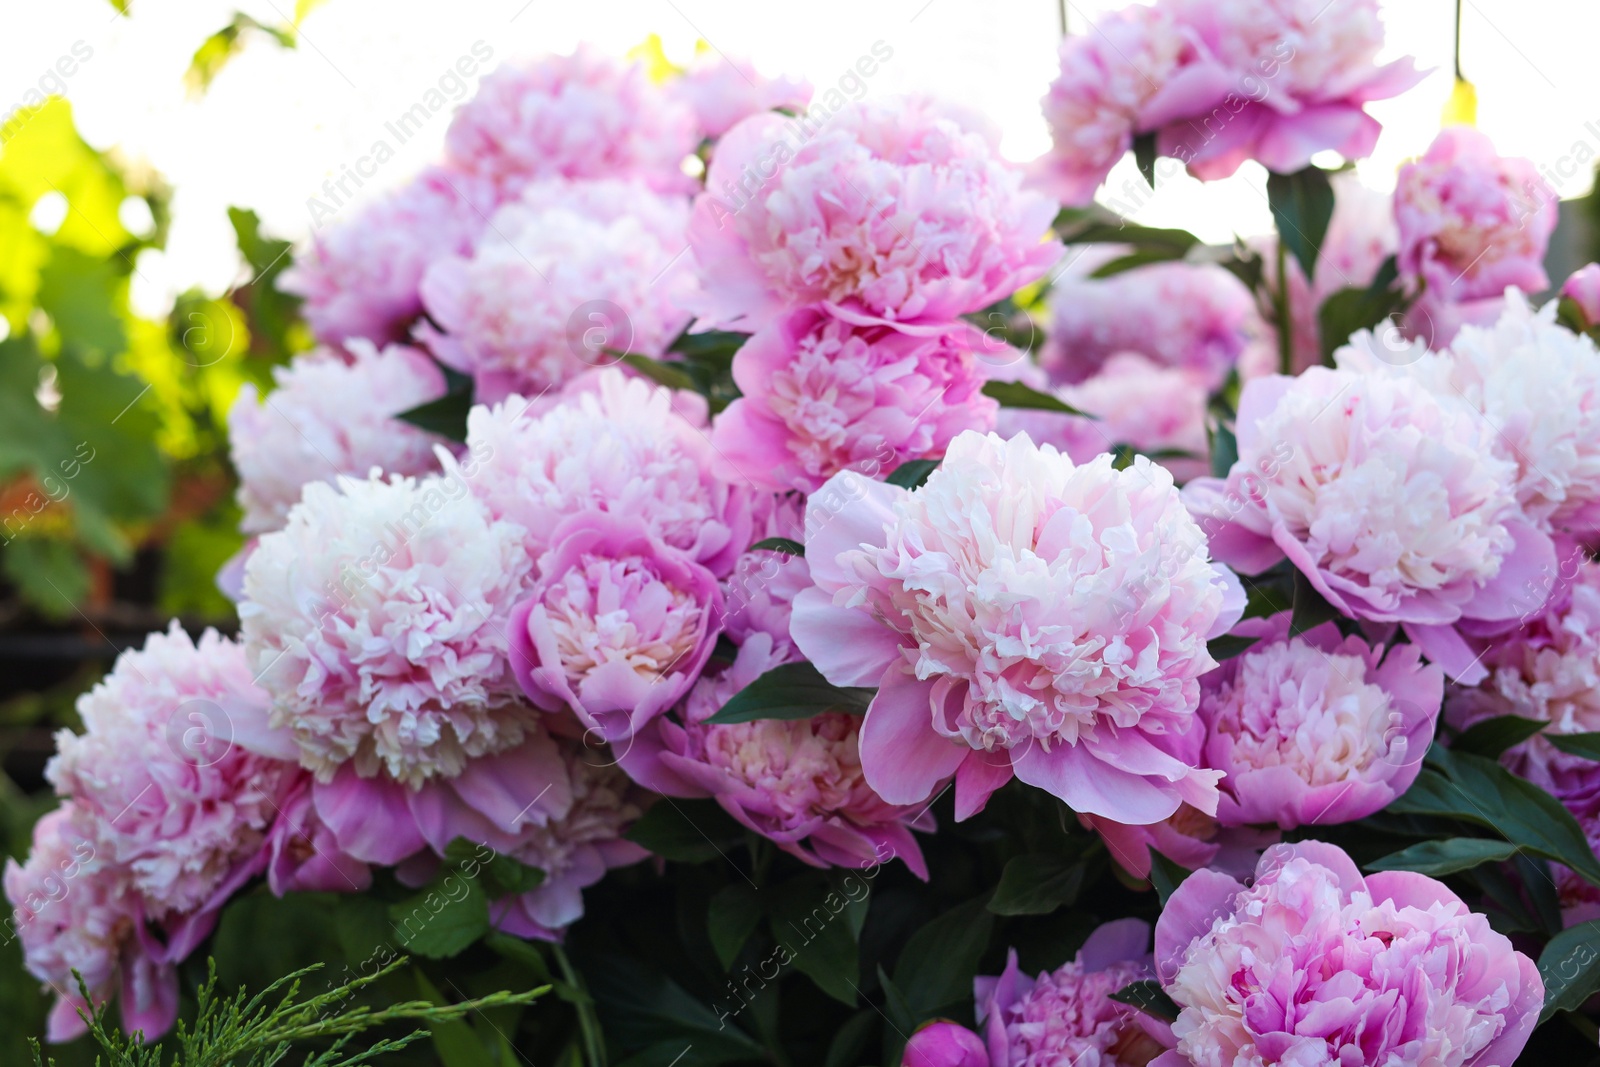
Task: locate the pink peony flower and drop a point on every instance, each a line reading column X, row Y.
column 640, row 458
column 1189, row 837
column 1159, row 411
column 304, row 854
column 1067, row 1016
column 1194, row 317
column 1095, row 106
column 1276, row 81
column 75, row 910
column 1538, row 386
column 759, row 593
column 890, row 212
column 1387, row 496
column 945, row 1044
column 328, row 416
column 1315, row 964
column 563, row 279
column 822, row 395
column 1472, row 222
column 1021, row 616
column 157, row 780
column 722, row 89
column 1583, row 288
column 617, row 627
column 1316, row 730
column 376, row 619
column 796, row 782
column 586, row 115
column 361, row 277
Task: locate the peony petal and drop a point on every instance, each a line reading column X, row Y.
column 904, row 759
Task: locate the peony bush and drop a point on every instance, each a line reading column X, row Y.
column 852, row 600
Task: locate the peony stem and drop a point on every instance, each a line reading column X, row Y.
column 1281, row 300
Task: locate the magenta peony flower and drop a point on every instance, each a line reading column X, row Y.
column 157, row 780
column 640, row 458
column 822, row 395
column 890, row 212
column 1194, row 317
column 303, row 851
column 1316, row 730
column 376, row 619
column 361, row 277
column 562, row 280
column 327, row 417
column 1067, row 1016
column 945, row 1044
column 586, row 115
column 617, row 627
column 1387, row 496
column 1021, row 616
column 797, row 782
column 1276, row 81
column 1316, row 964
column 75, row 910
column 723, row 89
column 1583, row 288
column 1095, row 106
column 1472, row 222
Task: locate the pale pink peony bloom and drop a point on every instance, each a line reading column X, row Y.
column 759, row 593
column 822, row 395
column 1317, row 729
column 1538, row 385
column 361, row 276
column 1276, row 81
column 640, row 457
column 1387, row 496
column 1194, row 317
column 157, row 778
column 1315, row 964
column 75, row 910
column 617, row 627
column 1583, row 288
column 376, row 619
column 797, row 782
column 1095, row 106
column 325, row 417
column 1159, row 411
column 723, row 89
column 587, row 115
column 1472, row 222
column 1020, row 615
column 888, row 212
column 1067, row 1016
column 563, row 279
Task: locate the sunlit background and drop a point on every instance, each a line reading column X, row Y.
column 277, row 122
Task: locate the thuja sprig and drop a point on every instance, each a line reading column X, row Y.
column 259, row 1031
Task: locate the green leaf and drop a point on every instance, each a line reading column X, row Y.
column 642, row 1009
column 688, row 831
column 1491, row 738
column 49, row 573
column 216, row 51
column 1094, row 231
column 912, row 473
column 1148, row 997
column 735, row 912
column 506, row 877
column 443, row 919
column 851, row 1039
column 937, row 966
column 82, row 295
column 1585, row 745
column 1037, row 884
column 785, row 545
column 1166, row 875
column 792, row 691
column 667, row 374
column 453, row 1040
column 1570, row 967
column 1570, row 313
column 1349, row 310
column 709, row 346
column 811, row 918
column 1017, row 395
column 446, row 416
column 1144, row 154
column 1224, row 450
column 1310, row 608
column 1228, row 646
column 1462, row 786
column 1439, row 858
column 1302, row 205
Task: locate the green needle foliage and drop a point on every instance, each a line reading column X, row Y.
column 255, row 1031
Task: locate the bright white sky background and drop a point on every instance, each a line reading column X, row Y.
column 276, row 123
